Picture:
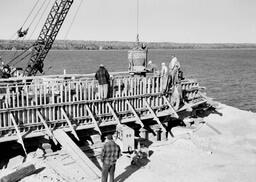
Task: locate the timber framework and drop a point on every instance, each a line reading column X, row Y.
column 71, row 102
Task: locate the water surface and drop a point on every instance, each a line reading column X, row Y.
column 228, row 74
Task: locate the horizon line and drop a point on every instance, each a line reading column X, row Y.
column 135, row 41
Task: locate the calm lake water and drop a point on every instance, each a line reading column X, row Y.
column 228, row 74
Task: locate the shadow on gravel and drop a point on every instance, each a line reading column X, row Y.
column 129, row 170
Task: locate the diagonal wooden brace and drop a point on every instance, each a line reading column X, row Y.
column 20, row 140
column 154, row 115
column 93, row 119
column 49, row 132
column 69, row 124
column 135, row 113
column 171, row 108
column 113, row 113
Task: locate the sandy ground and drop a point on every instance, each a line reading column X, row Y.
column 224, row 150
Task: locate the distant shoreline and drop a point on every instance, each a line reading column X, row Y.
column 118, row 45
column 6, row 50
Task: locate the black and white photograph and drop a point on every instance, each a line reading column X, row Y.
column 127, row 91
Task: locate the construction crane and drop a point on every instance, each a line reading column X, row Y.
column 47, row 36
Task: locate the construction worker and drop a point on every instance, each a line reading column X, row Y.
column 5, row 71
column 164, row 69
column 174, row 67
column 103, row 78
column 164, row 76
column 174, row 79
column 151, row 67
column 109, row 155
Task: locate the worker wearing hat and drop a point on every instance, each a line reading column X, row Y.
column 151, row 67
column 103, row 78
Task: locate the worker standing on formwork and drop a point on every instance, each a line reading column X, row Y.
column 103, row 78
column 151, row 68
column 175, row 76
column 174, row 67
column 164, row 75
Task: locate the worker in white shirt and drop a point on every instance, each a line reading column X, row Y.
column 174, row 67
column 164, row 76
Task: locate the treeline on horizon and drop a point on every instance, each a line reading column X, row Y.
column 117, row 45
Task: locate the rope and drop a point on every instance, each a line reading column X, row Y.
column 69, row 28
column 41, row 16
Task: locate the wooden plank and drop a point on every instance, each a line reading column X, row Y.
column 154, row 115
column 61, row 171
column 46, row 127
column 93, row 119
column 18, row 174
column 69, row 123
column 171, row 108
column 135, row 113
column 77, row 154
column 113, row 113
column 20, row 140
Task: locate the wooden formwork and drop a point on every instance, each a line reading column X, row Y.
column 32, row 107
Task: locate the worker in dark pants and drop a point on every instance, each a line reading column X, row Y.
column 109, row 155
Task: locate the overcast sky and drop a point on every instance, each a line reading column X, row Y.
column 192, row 21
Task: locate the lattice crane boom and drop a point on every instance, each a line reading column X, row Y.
column 47, row 36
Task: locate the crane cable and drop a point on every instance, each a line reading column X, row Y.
column 22, row 58
column 15, row 56
column 70, row 26
column 37, row 13
column 16, row 51
column 138, row 20
column 13, row 59
column 30, row 12
column 40, row 18
column 23, row 33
